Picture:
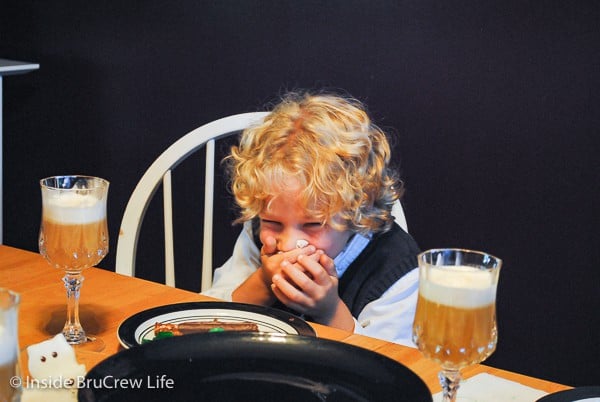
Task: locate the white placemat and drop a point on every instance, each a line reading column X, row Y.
column 488, row 388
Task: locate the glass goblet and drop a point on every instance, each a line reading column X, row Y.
column 455, row 321
column 74, row 236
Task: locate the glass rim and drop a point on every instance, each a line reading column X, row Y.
column 92, row 179
column 465, row 250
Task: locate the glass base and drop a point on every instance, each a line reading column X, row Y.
column 92, row 344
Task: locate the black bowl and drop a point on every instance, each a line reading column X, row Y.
column 227, row 366
column 573, row 395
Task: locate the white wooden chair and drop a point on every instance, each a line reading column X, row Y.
column 160, row 173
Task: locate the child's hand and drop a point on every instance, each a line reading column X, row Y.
column 309, row 286
column 273, row 260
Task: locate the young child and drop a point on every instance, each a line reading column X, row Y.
column 316, row 193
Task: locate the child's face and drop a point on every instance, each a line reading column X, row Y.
column 287, row 222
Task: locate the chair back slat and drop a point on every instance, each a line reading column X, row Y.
column 168, row 225
column 209, row 183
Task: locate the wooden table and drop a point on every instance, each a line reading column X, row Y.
column 108, row 298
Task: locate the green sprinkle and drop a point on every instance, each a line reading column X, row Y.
column 217, row 329
column 160, row 335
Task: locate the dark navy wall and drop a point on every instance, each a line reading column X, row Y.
column 493, row 106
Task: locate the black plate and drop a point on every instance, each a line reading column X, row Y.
column 228, row 366
column 140, row 327
column 573, row 395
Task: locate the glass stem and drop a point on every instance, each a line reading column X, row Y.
column 450, row 381
column 73, row 330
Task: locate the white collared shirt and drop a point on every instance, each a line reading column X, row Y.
column 351, row 251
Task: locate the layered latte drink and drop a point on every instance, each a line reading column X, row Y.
column 455, row 321
column 74, row 233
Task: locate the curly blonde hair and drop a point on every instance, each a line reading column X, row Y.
column 329, row 144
